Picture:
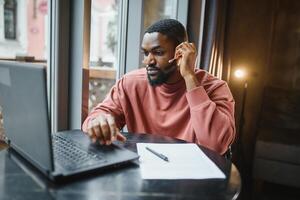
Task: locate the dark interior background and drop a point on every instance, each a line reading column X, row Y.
column 262, row 36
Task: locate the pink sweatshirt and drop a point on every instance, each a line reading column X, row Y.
column 204, row 115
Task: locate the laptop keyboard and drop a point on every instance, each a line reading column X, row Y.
column 70, row 156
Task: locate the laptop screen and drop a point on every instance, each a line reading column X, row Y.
column 23, row 97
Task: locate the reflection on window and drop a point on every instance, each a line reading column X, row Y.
column 23, row 31
column 158, row 9
column 10, row 19
column 103, row 48
column 104, row 25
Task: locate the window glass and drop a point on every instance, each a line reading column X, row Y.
column 158, row 9
column 23, row 30
column 10, row 19
column 23, row 33
column 103, row 48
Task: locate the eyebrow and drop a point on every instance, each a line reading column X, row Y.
column 154, row 48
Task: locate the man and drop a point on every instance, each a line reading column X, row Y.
column 168, row 97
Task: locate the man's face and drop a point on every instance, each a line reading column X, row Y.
column 158, row 50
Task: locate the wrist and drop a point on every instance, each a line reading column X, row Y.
column 189, row 76
column 191, row 81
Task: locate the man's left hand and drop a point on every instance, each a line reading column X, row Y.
column 185, row 55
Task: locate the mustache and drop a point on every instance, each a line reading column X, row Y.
column 169, row 69
column 151, row 67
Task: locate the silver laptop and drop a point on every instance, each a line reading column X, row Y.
column 23, row 97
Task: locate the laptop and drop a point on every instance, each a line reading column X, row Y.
column 23, row 97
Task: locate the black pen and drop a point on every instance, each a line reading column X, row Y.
column 165, row 158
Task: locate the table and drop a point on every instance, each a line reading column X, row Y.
column 19, row 180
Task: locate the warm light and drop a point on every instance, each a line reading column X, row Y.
column 239, row 73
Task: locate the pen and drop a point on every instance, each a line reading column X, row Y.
column 165, row 158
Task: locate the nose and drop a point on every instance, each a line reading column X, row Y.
column 149, row 59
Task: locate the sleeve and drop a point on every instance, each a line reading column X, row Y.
column 212, row 116
column 112, row 104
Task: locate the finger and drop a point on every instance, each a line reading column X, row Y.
column 172, row 60
column 186, row 45
column 104, row 128
column 112, row 126
column 180, row 45
column 190, row 46
column 188, row 49
column 121, row 137
column 193, row 45
column 177, row 49
column 92, row 135
column 176, row 56
column 179, row 54
column 97, row 131
column 90, row 132
column 95, row 127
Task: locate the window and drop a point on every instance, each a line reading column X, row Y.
column 103, row 48
column 23, row 31
column 108, row 58
column 105, row 42
column 10, row 19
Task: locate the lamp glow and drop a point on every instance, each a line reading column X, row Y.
column 239, row 73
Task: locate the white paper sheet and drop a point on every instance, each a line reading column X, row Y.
column 186, row 161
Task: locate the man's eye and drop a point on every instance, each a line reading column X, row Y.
column 146, row 53
column 159, row 53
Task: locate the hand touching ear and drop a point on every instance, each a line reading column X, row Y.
column 185, row 56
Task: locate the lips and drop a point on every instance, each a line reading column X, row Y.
column 152, row 71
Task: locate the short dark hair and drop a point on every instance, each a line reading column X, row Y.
column 172, row 28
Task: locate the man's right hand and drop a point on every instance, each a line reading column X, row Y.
column 104, row 129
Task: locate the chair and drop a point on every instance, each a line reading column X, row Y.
column 277, row 149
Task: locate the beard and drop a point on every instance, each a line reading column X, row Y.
column 162, row 76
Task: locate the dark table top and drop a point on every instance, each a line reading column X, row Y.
column 19, row 180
